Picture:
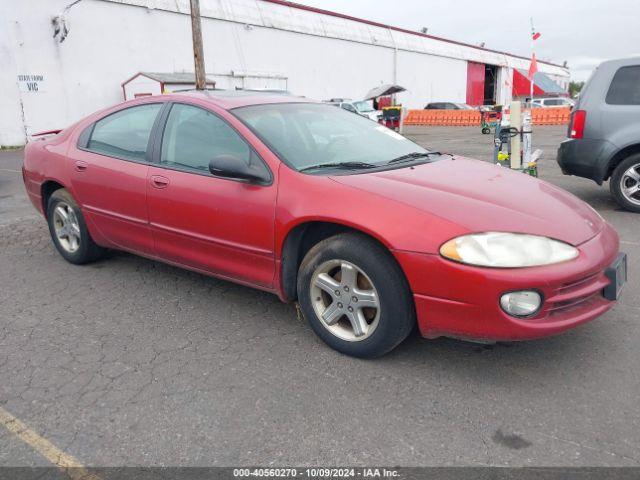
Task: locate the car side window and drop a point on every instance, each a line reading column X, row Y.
column 193, row 136
column 625, row 87
column 125, row 134
column 349, row 107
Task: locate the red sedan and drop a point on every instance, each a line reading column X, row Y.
column 368, row 231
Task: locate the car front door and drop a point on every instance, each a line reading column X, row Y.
column 109, row 177
column 219, row 225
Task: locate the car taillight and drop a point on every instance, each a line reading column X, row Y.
column 578, row 120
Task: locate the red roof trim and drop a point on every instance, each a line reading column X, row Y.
column 398, row 29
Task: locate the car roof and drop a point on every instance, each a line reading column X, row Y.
column 622, row 62
column 230, row 99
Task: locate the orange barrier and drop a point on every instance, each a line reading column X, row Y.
column 458, row 118
column 550, row 116
column 467, row 118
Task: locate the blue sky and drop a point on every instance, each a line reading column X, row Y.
column 582, row 32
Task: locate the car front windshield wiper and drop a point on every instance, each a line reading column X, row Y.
column 413, row 156
column 343, row 165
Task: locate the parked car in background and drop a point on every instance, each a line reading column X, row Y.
column 361, row 107
column 604, row 131
column 447, row 106
column 553, row 102
column 368, row 231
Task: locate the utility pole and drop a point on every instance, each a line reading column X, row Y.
column 198, row 51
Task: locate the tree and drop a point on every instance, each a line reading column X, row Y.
column 575, row 88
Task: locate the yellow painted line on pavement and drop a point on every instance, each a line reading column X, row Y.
column 63, row 461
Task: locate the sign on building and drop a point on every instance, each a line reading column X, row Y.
column 31, row 83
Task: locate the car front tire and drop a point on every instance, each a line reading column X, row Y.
column 355, row 296
column 69, row 230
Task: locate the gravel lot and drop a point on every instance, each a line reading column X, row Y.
column 132, row 362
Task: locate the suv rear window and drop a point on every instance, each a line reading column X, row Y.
column 625, row 87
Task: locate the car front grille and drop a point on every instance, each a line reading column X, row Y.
column 577, row 294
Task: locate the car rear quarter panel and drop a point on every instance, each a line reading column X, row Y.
column 45, row 160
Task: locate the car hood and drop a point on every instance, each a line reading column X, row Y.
column 481, row 197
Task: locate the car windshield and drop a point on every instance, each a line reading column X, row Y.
column 304, row 135
column 364, row 106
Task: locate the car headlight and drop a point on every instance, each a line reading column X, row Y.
column 507, row 250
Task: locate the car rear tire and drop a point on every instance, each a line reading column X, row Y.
column 625, row 183
column 355, row 296
column 69, row 230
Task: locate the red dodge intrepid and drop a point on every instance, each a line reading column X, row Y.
column 368, row 231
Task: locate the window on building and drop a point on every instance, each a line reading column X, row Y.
column 125, row 134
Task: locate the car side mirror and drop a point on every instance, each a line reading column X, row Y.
column 232, row 166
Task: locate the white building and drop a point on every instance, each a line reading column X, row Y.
column 272, row 44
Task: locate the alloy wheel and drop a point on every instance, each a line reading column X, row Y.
column 66, row 226
column 630, row 184
column 345, row 300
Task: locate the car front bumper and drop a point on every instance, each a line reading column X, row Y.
column 462, row 301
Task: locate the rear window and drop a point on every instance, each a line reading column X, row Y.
column 625, row 87
column 125, row 134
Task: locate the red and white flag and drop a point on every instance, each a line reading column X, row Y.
column 533, row 68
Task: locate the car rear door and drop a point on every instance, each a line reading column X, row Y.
column 218, row 225
column 109, row 178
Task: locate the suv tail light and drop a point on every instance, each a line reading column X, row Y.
column 576, row 126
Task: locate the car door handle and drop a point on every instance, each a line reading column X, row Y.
column 80, row 166
column 158, row 181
